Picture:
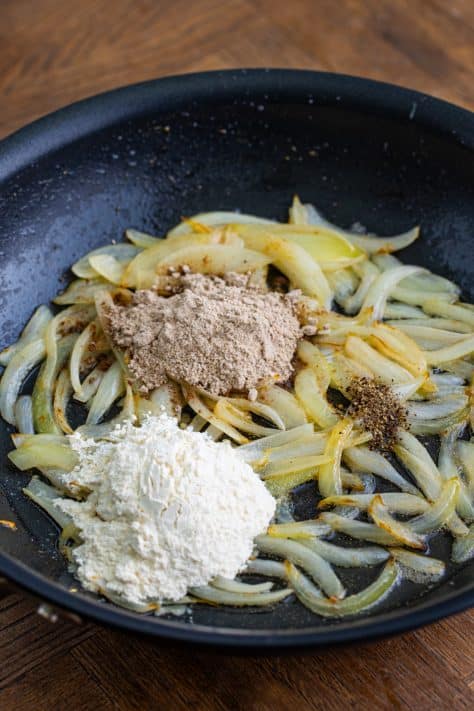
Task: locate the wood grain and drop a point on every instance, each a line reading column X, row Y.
column 57, row 51
column 53, row 52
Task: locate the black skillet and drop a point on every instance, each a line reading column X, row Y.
column 145, row 155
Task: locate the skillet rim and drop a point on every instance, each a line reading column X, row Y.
column 84, row 117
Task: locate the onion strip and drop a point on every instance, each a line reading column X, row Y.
column 20, row 365
column 440, row 512
column 111, row 387
column 329, row 478
column 45, row 496
column 237, row 586
column 416, row 567
column 24, row 415
column 310, row 596
column 318, row 568
column 364, row 459
column 62, row 395
column 463, row 547
column 207, row 593
column 398, row 503
column 299, row 529
column 34, row 329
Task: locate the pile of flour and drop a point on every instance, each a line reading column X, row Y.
column 169, row 509
column 215, row 333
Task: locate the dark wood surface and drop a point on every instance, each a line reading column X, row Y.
column 53, row 52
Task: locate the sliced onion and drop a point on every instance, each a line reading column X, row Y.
column 396, row 502
column 90, row 344
column 428, row 338
column 140, row 239
column 459, row 312
column 24, row 415
column 62, row 395
column 343, row 283
column 90, row 384
column 121, row 601
column 253, row 451
column 214, row 219
column 214, row 433
column 21, row 440
column 364, row 459
column 237, row 586
column 57, row 354
column 359, row 529
column 108, row 267
column 319, row 569
column 416, row 567
column 440, row 512
column 226, row 412
column 382, row 367
column 462, row 368
column 270, row 568
column 463, row 347
column 382, row 286
column 200, row 408
column 369, row 243
column 198, row 423
column 426, row 475
column 34, row 329
column 420, row 426
column 167, row 398
column 443, row 324
column 110, row 389
column 368, row 273
column 310, row 596
column 329, row 477
column 285, row 404
column 293, row 466
column 446, row 380
column 400, row 311
column 310, row 355
column 418, row 297
column 46, row 496
column 281, row 485
column 312, row 398
column 436, row 408
column 399, row 347
column 426, row 281
column 292, row 260
column 299, row 529
column 43, row 455
column 103, row 430
column 122, row 252
column 407, row 391
column 82, row 291
column 347, row 557
column 310, row 446
column 223, row 597
column 448, row 468
column 463, row 547
column 20, row 365
column 465, row 452
column 257, row 408
column 381, row 516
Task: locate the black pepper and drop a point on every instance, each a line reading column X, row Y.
column 378, row 409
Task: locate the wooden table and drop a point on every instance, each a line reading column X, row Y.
column 53, row 52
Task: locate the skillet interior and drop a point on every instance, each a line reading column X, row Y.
column 142, row 157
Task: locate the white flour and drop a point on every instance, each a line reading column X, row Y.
column 168, row 509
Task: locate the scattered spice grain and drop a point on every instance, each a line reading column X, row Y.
column 379, row 410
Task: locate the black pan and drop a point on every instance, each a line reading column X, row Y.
column 145, row 155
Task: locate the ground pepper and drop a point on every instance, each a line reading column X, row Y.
column 378, row 408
